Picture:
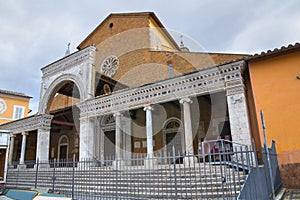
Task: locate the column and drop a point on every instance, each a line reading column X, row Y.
column 119, row 138
column 149, row 131
column 23, row 149
column 43, row 145
column 189, row 150
column 127, row 129
column 238, row 115
column 86, row 139
column 149, row 161
column 11, row 148
column 118, row 142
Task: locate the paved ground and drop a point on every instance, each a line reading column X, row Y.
column 292, row 194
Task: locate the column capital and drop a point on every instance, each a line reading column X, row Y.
column 12, row 135
column 117, row 114
column 148, row 107
column 235, row 90
column 24, row 133
column 185, row 100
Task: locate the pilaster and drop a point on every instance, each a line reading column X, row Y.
column 86, row 138
column 238, row 115
column 43, row 145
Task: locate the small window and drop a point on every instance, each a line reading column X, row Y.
column 18, row 112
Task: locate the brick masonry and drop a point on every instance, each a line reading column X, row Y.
column 290, row 175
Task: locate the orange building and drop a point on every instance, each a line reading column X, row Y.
column 275, row 81
column 13, row 106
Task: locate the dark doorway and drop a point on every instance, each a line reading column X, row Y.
column 173, row 139
column 109, row 145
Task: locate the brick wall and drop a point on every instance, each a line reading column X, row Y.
column 290, row 175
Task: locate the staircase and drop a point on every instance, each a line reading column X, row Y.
column 174, row 181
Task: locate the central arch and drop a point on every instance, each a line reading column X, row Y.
column 59, row 100
column 53, row 88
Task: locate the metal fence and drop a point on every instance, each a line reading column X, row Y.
column 263, row 182
column 216, row 174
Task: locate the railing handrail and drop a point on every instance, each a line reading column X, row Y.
column 223, row 140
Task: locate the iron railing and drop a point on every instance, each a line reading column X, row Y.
column 215, row 175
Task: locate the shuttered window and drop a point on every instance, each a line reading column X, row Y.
column 18, row 112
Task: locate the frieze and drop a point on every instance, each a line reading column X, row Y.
column 28, row 124
column 201, row 82
column 240, row 89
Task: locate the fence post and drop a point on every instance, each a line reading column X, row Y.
column 36, row 173
column 73, row 176
column 53, row 177
column 17, row 176
column 117, row 169
column 267, row 153
column 175, row 176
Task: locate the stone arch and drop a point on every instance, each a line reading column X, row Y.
column 172, row 123
column 173, row 127
column 48, row 95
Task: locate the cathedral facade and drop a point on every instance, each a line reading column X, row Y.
column 131, row 89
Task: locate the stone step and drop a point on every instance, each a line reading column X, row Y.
column 204, row 182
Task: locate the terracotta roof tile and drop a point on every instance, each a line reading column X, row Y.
column 276, row 51
column 14, row 93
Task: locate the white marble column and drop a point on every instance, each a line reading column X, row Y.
column 127, row 129
column 23, row 149
column 43, row 145
column 189, row 149
column 187, row 125
column 11, row 148
column 86, row 138
column 150, row 161
column 119, row 137
column 149, row 131
column 238, row 116
column 118, row 142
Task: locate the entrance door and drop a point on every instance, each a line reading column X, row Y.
column 173, row 139
column 63, row 152
column 109, row 145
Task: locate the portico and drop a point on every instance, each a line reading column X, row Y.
column 225, row 81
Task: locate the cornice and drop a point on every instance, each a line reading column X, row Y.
column 210, row 80
column 35, row 122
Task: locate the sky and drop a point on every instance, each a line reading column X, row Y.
column 35, row 33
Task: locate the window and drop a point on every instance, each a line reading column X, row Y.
column 18, row 112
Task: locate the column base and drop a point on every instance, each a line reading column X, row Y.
column 118, row 164
column 22, row 166
column 42, row 166
column 189, row 160
column 150, row 162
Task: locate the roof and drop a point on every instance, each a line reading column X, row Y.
column 13, row 93
column 275, row 52
column 151, row 14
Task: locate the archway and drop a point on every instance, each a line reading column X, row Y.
column 65, row 125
